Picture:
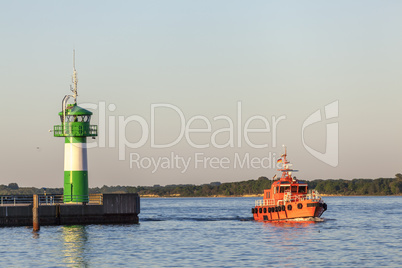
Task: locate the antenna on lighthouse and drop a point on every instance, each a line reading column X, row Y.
column 75, row 80
column 73, row 89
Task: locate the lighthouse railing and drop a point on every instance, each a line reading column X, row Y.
column 79, row 130
column 96, row 199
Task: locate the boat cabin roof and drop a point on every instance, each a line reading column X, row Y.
column 289, row 183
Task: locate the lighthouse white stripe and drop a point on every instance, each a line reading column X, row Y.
column 75, row 157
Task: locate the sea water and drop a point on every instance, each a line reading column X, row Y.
column 218, row 232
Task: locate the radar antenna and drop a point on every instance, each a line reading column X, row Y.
column 72, row 88
column 75, row 80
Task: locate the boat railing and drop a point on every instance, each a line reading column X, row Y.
column 312, row 195
column 265, row 202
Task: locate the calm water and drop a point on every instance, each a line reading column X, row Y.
column 191, row 232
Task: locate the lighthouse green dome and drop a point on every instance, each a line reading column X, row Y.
column 74, row 109
column 75, row 123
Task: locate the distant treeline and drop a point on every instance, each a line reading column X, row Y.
column 381, row 186
column 14, row 189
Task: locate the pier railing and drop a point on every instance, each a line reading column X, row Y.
column 18, row 200
column 312, row 195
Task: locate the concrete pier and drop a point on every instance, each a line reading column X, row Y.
column 114, row 208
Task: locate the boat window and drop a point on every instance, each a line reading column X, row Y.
column 284, row 188
column 302, row 189
column 294, row 189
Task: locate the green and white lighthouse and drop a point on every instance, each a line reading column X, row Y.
column 75, row 127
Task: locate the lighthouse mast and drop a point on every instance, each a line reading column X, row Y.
column 75, row 79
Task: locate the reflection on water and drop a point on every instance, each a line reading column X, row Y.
column 290, row 236
column 288, row 224
column 284, row 226
column 35, row 234
column 75, row 239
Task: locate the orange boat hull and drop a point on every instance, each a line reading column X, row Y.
column 290, row 210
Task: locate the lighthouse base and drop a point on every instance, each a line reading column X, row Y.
column 116, row 209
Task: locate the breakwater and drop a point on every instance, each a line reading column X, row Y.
column 102, row 209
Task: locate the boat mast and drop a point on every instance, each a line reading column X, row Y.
column 286, row 172
column 285, row 161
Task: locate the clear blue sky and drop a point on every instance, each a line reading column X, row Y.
column 277, row 58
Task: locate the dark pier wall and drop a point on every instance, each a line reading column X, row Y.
column 116, row 208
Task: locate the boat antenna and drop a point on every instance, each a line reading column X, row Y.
column 75, row 80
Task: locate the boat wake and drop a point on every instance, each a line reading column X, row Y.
column 310, row 219
column 196, row 219
column 315, row 219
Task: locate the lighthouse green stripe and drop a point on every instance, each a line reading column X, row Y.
column 75, row 186
column 76, row 140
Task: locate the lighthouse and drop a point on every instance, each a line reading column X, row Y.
column 75, row 128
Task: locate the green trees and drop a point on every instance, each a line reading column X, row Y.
column 396, row 185
column 14, row 189
column 380, row 186
column 13, row 186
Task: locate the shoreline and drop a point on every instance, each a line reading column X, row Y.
column 214, row 196
column 251, row 195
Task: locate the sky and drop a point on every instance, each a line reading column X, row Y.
column 220, row 85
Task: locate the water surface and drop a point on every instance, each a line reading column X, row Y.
column 191, row 232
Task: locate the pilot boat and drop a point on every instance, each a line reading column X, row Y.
column 288, row 198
